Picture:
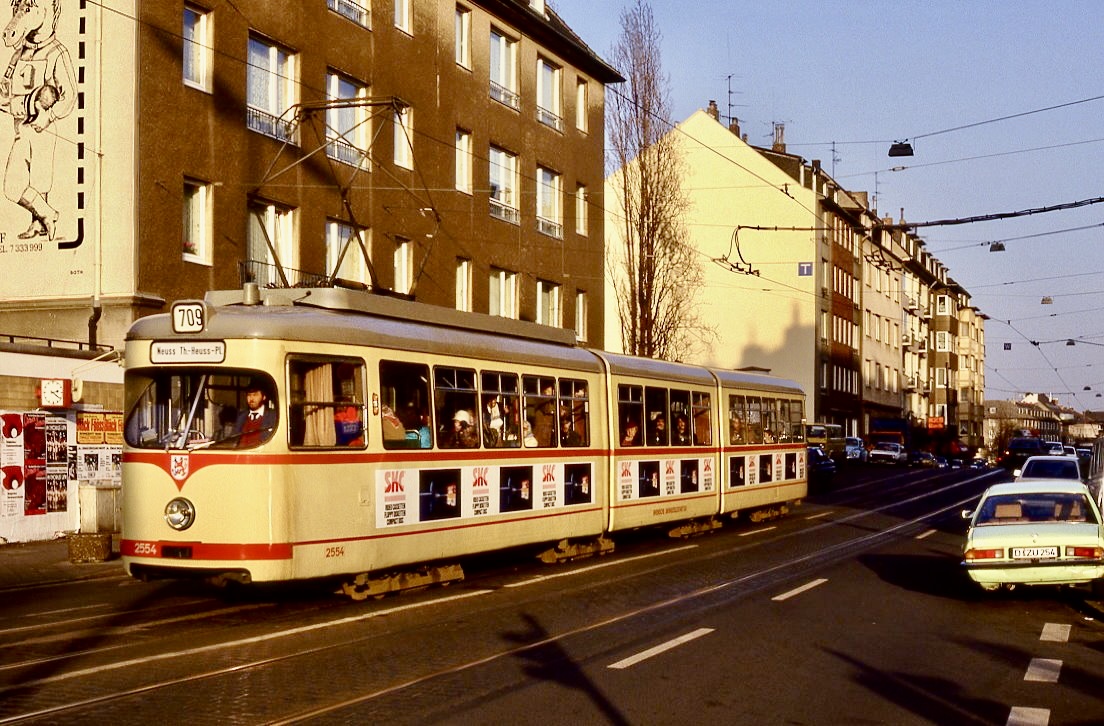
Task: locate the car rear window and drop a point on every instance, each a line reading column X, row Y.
column 1051, row 470
column 1035, row 507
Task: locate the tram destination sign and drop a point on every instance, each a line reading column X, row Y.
column 187, row 351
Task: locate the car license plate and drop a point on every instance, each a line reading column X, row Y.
column 1034, row 553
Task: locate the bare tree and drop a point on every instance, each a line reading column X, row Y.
column 654, row 270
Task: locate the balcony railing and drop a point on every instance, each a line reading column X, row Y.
column 265, row 123
column 266, row 274
column 548, row 118
column 550, row 228
column 346, row 153
column 504, row 212
column 350, row 9
column 505, row 96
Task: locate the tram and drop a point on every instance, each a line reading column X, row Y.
column 275, row 435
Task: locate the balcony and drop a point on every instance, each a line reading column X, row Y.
column 265, row 123
column 350, row 9
column 505, row 96
column 548, row 118
column 506, row 213
column 550, row 228
column 346, row 153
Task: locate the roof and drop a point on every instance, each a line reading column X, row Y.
column 1035, row 486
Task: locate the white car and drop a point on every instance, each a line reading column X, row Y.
column 1049, row 467
column 888, row 452
column 1034, row 532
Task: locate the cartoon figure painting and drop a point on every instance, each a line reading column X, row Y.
column 37, row 89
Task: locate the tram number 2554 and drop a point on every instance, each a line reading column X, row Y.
column 335, row 552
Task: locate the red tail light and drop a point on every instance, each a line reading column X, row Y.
column 1089, row 553
column 984, row 554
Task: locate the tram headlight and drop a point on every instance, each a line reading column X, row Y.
column 180, row 513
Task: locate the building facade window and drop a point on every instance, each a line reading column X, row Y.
column 197, row 48
column 345, row 250
column 464, row 284
column 404, row 266
column 582, row 210
column 549, row 94
column 503, row 293
column 581, row 331
column 582, row 98
column 403, row 121
column 463, row 37
column 270, row 89
column 503, row 181
column 271, row 244
column 549, row 203
column 503, row 69
column 549, row 306
column 197, row 222
column 464, row 161
column 355, row 10
column 346, row 126
column 942, row 342
column 404, row 18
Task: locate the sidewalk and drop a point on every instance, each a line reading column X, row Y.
column 31, row 564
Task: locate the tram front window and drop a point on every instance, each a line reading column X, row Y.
column 188, row 408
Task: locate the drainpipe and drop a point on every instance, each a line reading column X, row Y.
column 93, row 319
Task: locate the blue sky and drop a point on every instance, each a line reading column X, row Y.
column 863, row 73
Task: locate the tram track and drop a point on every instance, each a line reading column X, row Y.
column 100, row 691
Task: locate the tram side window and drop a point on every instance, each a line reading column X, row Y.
column 655, row 409
column 770, row 420
column 630, row 411
column 574, row 413
column 737, row 419
column 540, row 411
column 500, row 410
column 455, row 400
column 797, row 417
column 327, row 402
column 404, row 394
column 754, row 420
column 680, row 418
column 699, row 410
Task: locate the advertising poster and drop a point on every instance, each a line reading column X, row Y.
column 11, row 464
column 34, row 463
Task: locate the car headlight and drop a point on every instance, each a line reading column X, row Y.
column 180, row 514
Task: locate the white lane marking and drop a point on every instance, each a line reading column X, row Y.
column 588, row 568
column 1043, row 670
column 799, row 590
column 1055, row 633
column 757, row 531
column 822, row 514
column 661, row 648
column 925, row 535
column 1025, row 716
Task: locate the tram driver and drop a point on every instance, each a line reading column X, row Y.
column 255, row 425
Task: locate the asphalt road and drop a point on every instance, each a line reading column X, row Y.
column 852, row 609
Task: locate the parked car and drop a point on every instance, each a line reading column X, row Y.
column 854, row 449
column 1019, row 448
column 923, row 458
column 888, row 452
column 1049, row 467
column 822, row 469
column 1035, row 532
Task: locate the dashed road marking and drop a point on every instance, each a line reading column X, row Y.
column 819, row 515
column 1055, row 633
column 1043, row 670
column 925, row 535
column 761, row 530
column 661, row 648
column 1024, row 716
column 799, row 590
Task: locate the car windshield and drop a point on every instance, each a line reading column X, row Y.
column 1050, row 469
column 1035, row 507
column 885, row 446
column 187, row 408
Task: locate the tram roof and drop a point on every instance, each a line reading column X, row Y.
column 334, row 315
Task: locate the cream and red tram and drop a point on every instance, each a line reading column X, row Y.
column 388, row 434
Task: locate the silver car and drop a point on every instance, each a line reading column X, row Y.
column 854, row 449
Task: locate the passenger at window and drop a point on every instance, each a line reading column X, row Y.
column 630, row 433
column 682, row 431
column 393, row 429
column 255, row 425
column 658, row 436
column 463, row 434
column 568, row 435
column 544, row 418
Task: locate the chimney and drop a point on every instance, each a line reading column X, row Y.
column 711, row 109
column 902, row 215
column 734, row 126
column 779, row 144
